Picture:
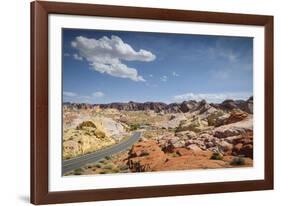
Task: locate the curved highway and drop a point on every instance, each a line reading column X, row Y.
column 74, row 163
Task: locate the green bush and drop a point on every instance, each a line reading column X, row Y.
column 115, row 170
column 216, row 156
column 107, row 157
column 78, row 171
column 238, row 161
column 175, row 154
column 134, row 127
column 98, row 165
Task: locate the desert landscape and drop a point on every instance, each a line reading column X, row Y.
column 137, row 101
column 155, row 136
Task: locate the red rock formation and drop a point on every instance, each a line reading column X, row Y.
column 145, row 156
column 236, row 116
column 244, row 145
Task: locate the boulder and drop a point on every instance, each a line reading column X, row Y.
column 233, row 139
column 244, row 145
column 194, row 148
column 247, row 151
column 217, row 118
column 186, row 134
column 243, row 150
column 228, row 132
column 236, row 116
column 225, row 147
column 206, row 137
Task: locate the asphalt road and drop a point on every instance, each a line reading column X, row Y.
column 74, row 163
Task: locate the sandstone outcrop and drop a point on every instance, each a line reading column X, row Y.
column 236, row 116
column 217, row 118
column 194, row 124
column 90, row 136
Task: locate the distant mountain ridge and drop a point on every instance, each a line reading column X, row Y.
column 185, row 106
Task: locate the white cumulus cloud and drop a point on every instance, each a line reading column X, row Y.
column 175, row 74
column 105, row 55
column 164, row 78
column 213, row 97
column 77, row 57
column 98, row 94
column 69, row 94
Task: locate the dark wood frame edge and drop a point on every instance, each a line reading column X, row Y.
column 39, row 102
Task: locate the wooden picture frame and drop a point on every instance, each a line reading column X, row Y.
column 39, row 102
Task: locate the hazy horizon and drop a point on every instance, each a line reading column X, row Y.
column 178, row 102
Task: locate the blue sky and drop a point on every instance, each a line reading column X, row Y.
column 117, row 66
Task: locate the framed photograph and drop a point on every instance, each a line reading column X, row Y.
column 131, row 102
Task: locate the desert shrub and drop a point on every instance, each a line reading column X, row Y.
column 216, row 156
column 134, row 127
column 86, row 124
column 103, row 172
column 78, row 171
column 124, row 167
column 175, row 154
column 108, row 166
column 107, row 157
column 238, row 161
column 98, row 165
column 172, row 129
column 144, row 153
column 115, row 170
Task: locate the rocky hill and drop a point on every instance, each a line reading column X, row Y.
column 184, row 107
column 90, row 136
